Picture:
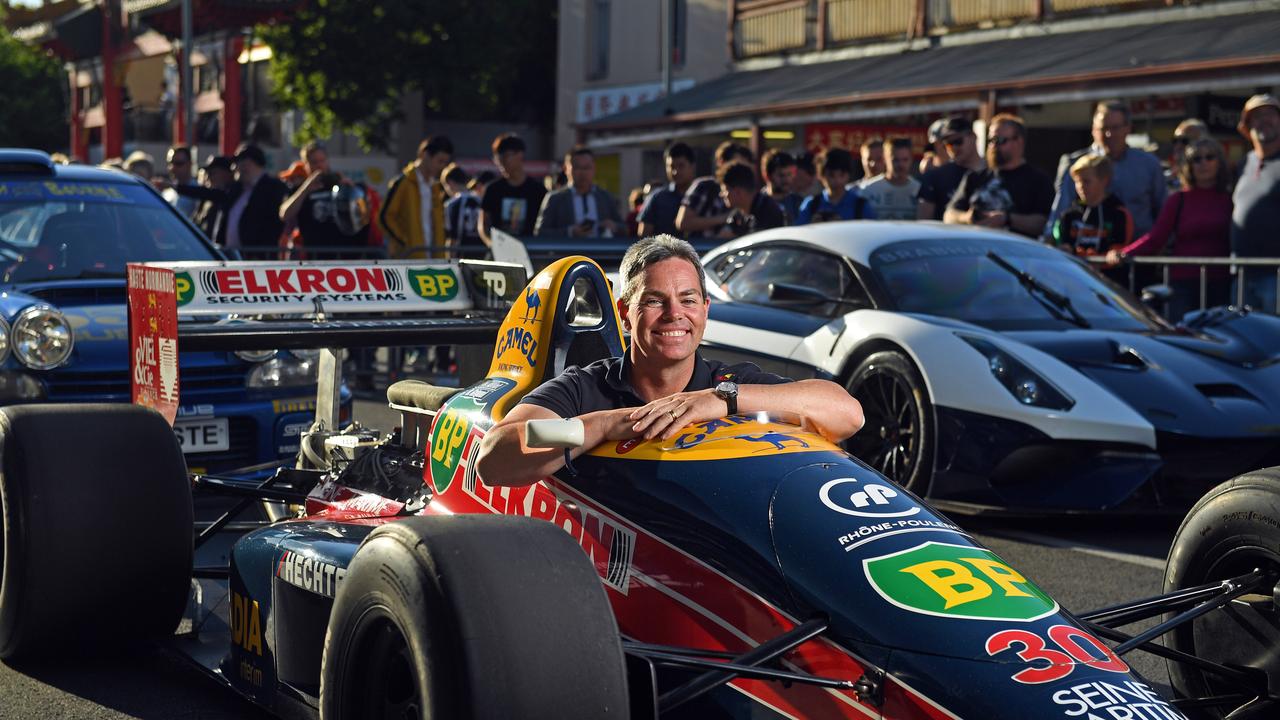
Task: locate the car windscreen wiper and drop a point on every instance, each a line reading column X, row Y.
column 1059, row 301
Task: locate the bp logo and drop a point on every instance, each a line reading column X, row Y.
column 449, row 439
column 956, row 581
column 435, row 284
column 183, row 287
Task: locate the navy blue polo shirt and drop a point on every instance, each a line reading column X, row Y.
column 605, row 384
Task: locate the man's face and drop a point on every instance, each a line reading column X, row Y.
column 668, row 316
column 1091, row 188
column 581, row 170
column 432, row 165
column 1264, row 125
column 801, row 181
column 679, row 170
column 835, row 178
column 318, row 161
column 873, row 160
column 961, row 147
column 736, row 198
column 1004, row 146
column 219, row 177
column 511, row 162
column 1110, row 131
column 901, row 161
column 782, row 178
column 180, row 166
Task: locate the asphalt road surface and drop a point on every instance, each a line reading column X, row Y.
column 1084, row 564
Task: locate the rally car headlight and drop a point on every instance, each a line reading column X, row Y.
column 41, row 338
column 255, row 356
column 1026, row 385
column 283, row 372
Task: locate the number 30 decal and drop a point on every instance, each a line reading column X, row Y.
column 1077, row 647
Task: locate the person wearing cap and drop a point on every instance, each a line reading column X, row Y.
column 218, row 175
column 1255, row 219
column 935, row 156
column 939, row 184
column 1138, row 178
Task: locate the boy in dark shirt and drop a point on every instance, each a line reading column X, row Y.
column 1097, row 221
column 511, row 202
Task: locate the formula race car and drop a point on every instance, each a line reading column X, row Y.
column 744, row 569
column 997, row 372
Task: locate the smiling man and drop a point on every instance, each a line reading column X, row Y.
column 661, row 384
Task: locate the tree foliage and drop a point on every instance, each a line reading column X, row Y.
column 33, row 103
column 347, row 64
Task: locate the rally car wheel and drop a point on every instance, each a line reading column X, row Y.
column 897, row 437
column 1231, row 531
column 96, row 527
column 471, row 617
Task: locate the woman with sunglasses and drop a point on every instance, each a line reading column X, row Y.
column 1197, row 221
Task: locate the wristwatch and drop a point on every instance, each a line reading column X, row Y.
column 728, row 392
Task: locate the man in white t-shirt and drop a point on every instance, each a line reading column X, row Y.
column 893, row 194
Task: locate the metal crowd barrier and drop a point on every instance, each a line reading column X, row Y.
column 1235, row 263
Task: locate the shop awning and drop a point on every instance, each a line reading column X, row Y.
column 1126, row 61
column 207, row 15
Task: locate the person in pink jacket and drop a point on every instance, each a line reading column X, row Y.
column 1193, row 222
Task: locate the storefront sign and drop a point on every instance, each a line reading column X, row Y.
column 820, row 136
column 596, row 103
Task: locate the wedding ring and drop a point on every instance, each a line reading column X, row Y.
column 672, row 413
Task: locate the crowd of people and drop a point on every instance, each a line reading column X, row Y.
column 1109, row 200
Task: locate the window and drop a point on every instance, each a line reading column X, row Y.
column 598, row 39
column 747, row 275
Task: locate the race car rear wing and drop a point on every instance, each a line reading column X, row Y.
column 291, row 305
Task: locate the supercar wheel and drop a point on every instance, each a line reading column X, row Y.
column 898, row 436
column 1232, row 531
column 472, row 617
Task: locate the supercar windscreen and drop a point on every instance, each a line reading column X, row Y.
column 59, row 230
column 966, row 280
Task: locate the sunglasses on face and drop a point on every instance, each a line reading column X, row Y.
column 953, row 141
column 1197, row 159
column 999, row 140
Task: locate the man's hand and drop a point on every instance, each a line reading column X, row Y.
column 665, row 417
column 1114, row 258
column 993, row 219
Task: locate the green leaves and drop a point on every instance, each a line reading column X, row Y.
column 33, row 103
column 348, row 63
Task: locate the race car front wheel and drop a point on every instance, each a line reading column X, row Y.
column 96, row 527
column 1233, row 530
column 897, row 437
column 471, row 617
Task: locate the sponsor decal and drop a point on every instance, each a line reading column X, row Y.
column 705, row 430
column 246, row 623
column 532, row 305
column 1074, row 647
column 447, row 436
column 610, row 546
column 627, row 446
column 292, row 406
column 1128, row 700
column 198, row 410
column 522, row 342
column 153, row 339
column 435, row 284
column 186, row 289
column 870, row 500
column 956, row 581
column 310, row 574
column 867, row 533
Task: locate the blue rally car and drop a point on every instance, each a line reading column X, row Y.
column 66, row 233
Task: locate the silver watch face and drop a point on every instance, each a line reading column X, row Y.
column 727, row 388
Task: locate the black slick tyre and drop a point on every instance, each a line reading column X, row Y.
column 472, row 617
column 1233, row 530
column 898, row 436
column 96, row 527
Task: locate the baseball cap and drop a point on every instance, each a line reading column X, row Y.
column 217, row 161
column 1257, row 101
column 957, row 126
column 250, row 152
column 935, row 129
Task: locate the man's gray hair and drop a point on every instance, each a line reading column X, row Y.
column 652, row 250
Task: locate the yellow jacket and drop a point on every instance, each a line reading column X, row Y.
column 401, row 217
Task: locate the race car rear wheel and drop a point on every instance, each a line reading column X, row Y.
column 897, row 437
column 471, row 617
column 1231, row 531
column 96, row 527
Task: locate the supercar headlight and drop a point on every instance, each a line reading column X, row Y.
column 283, row 372
column 1026, row 385
column 41, row 338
